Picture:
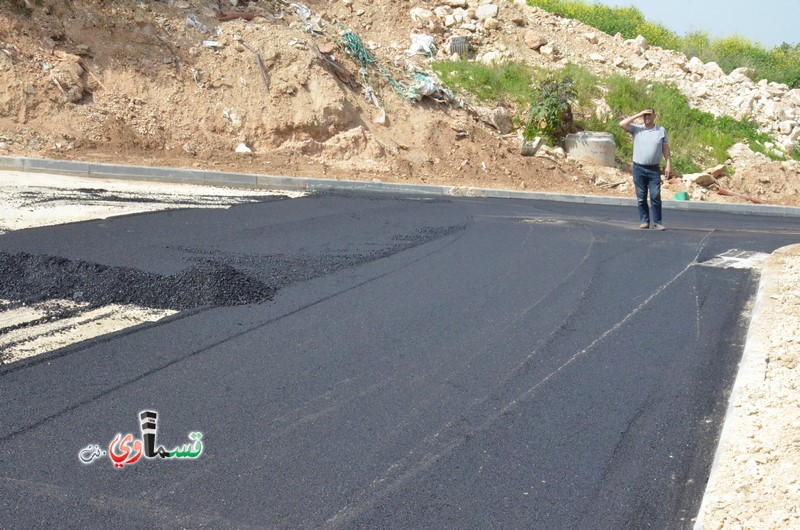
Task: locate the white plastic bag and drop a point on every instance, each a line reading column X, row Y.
column 421, row 44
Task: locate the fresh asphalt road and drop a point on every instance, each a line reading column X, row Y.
column 424, row 363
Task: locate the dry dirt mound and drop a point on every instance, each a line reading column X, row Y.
column 170, row 84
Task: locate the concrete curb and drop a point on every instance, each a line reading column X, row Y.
column 272, row 182
column 749, row 369
column 750, row 373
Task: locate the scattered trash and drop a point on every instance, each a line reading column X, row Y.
column 426, row 86
column 460, row 45
column 259, row 62
column 197, row 76
column 681, row 196
column 192, row 22
column 483, row 166
column 355, row 47
column 328, row 62
column 369, row 95
column 211, row 44
column 302, row 11
column 529, row 147
column 242, row 148
column 313, row 26
column 461, row 134
column 420, row 45
column 232, row 117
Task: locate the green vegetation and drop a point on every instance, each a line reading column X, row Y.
column 553, row 103
column 550, row 113
column 505, row 83
column 697, row 139
column 781, row 64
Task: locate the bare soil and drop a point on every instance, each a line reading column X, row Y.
column 168, row 84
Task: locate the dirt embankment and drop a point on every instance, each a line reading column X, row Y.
column 170, row 84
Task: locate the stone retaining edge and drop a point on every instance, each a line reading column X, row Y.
column 273, row 182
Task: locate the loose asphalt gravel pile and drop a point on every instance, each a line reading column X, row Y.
column 32, row 279
column 213, row 279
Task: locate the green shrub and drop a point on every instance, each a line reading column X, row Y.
column 550, row 114
column 562, row 101
column 503, row 82
column 781, row 64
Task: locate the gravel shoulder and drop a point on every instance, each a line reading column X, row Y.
column 755, row 481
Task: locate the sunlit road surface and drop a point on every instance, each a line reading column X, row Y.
column 29, row 200
column 406, row 362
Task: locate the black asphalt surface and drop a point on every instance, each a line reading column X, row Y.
column 402, row 363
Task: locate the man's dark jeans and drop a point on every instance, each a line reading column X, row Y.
column 648, row 179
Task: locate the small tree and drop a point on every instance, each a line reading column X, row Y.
column 550, row 114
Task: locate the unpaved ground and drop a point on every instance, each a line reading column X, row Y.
column 168, row 84
column 37, row 199
column 755, row 483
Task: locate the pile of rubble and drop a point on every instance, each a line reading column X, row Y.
column 773, row 106
column 272, row 86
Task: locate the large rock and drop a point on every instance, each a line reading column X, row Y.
column 548, row 50
column 423, row 17
column 786, row 127
column 698, row 179
column 713, row 71
column 498, row 118
column 741, row 75
column 486, row 11
column 598, row 147
column 534, row 40
column 67, row 76
column 491, row 57
column 491, row 23
column 443, row 11
column 638, row 63
column 695, row 65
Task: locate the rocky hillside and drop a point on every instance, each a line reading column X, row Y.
column 268, row 87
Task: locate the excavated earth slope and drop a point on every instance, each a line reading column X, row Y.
column 169, row 84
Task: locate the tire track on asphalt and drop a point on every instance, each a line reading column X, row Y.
column 227, row 339
column 441, row 444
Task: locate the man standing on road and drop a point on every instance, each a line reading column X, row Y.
column 649, row 144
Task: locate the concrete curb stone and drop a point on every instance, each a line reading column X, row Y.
column 274, row 182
